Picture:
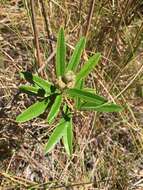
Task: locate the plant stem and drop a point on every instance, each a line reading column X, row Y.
column 35, row 30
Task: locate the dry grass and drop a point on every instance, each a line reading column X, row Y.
column 107, row 147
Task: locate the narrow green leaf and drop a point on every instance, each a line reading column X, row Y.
column 86, row 96
column 35, row 79
column 56, row 136
column 68, row 138
column 66, row 112
column 92, row 90
column 74, row 61
column 27, row 88
column 107, row 107
column 88, row 66
column 31, row 90
column 54, row 109
column 60, row 54
column 33, row 111
column 79, row 85
column 42, row 83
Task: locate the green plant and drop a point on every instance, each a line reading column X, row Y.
column 69, row 84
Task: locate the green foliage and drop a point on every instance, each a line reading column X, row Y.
column 74, row 61
column 88, row 66
column 79, row 85
column 68, row 137
column 33, row 111
column 61, row 54
column 54, row 109
column 29, row 89
column 68, row 84
column 37, row 81
column 86, row 96
column 106, row 107
column 56, row 135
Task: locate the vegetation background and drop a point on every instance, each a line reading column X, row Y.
column 107, row 147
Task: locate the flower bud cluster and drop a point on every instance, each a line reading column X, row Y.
column 66, row 81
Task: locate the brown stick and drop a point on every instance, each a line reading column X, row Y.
column 46, row 24
column 89, row 17
column 35, row 30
